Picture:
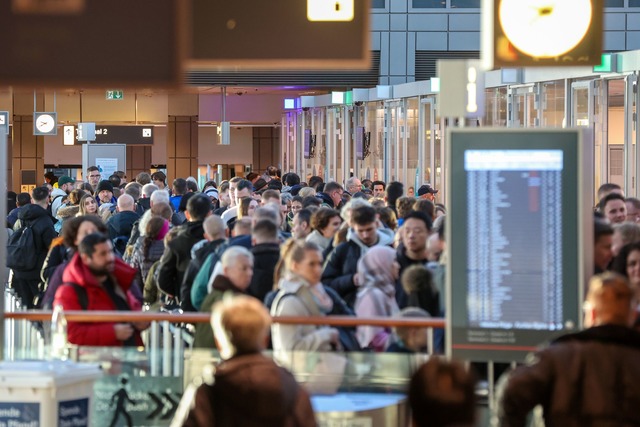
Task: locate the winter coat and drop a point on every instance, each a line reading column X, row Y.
column 121, row 224
column 250, row 391
column 590, row 378
column 195, row 265
column 204, row 333
column 317, row 238
column 295, row 299
column 57, row 198
column 90, row 333
column 65, row 212
column 177, row 256
column 265, row 259
column 143, row 263
column 43, row 233
column 342, row 264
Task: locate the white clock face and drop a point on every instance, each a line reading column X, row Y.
column 45, row 123
column 545, row 28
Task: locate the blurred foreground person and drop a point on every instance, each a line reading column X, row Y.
column 590, row 378
column 442, row 394
column 247, row 388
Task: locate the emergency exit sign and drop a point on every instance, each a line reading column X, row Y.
column 115, row 94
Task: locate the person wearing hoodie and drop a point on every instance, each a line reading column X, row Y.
column 96, row 279
column 35, row 215
column 177, row 254
column 247, row 388
column 342, row 263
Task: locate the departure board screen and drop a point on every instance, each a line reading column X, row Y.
column 514, row 237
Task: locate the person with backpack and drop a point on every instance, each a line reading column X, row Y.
column 28, row 246
column 95, row 279
column 121, row 223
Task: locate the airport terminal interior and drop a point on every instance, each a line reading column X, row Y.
column 503, row 165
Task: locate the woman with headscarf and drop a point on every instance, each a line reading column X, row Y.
column 376, row 277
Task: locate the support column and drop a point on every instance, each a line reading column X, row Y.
column 26, row 150
column 182, row 147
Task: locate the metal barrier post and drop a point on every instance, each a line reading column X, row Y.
column 154, row 340
column 166, row 349
column 178, row 351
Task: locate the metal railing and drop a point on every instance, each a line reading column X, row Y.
column 168, row 336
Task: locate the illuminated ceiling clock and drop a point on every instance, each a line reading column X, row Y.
column 45, row 123
column 545, row 32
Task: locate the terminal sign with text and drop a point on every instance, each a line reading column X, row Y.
column 130, row 135
column 516, row 269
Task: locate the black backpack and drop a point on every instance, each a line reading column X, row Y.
column 22, row 253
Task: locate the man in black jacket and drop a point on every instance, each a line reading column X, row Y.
column 413, row 250
column 214, row 235
column 342, row 263
column 590, row 378
column 120, row 224
column 266, row 254
column 177, row 254
column 36, row 216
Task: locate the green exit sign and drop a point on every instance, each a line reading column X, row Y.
column 608, row 64
column 115, row 94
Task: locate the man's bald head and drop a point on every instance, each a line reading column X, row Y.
column 125, row 203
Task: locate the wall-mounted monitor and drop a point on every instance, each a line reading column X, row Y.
column 518, row 238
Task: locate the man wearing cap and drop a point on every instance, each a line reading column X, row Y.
column 427, row 192
column 58, row 195
column 104, row 193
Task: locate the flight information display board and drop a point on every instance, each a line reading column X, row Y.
column 515, row 236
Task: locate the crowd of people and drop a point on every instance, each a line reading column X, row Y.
column 275, row 244
column 301, row 248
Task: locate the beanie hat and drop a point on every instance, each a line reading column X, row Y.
column 104, row 185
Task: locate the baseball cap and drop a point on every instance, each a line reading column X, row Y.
column 426, row 188
column 65, row 180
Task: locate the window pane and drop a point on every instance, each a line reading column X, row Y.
column 465, row 3
column 614, row 3
column 378, row 4
column 634, row 3
column 424, row 4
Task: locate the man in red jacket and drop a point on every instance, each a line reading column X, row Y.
column 96, row 279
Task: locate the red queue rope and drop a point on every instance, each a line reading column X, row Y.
column 146, row 316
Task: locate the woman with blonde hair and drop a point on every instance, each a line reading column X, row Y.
column 88, row 206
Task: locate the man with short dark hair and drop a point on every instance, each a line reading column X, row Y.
column 93, row 176
column 301, row 226
column 179, row 189
column 342, row 263
column 34, row 215
column 247, row 389
column 332, row 195
column 22, row 200
column 613, row 207
column 378, row 188
column 177, row 253
column 413, row 248
column 633, row 209
column 588, row 378
column 241, row 188
column 95, row 279
column 159, row 179
column 603, row 241
column 608, row 188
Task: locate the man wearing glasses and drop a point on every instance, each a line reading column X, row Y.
column 94, row 176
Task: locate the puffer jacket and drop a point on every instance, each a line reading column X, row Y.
column 591, row 378
column 177, row 256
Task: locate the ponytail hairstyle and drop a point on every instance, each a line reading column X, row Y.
column 153, row 232
column 293, row 250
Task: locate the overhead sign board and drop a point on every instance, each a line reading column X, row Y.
column 318, row 34
column 115, row 43
column 129, row 135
